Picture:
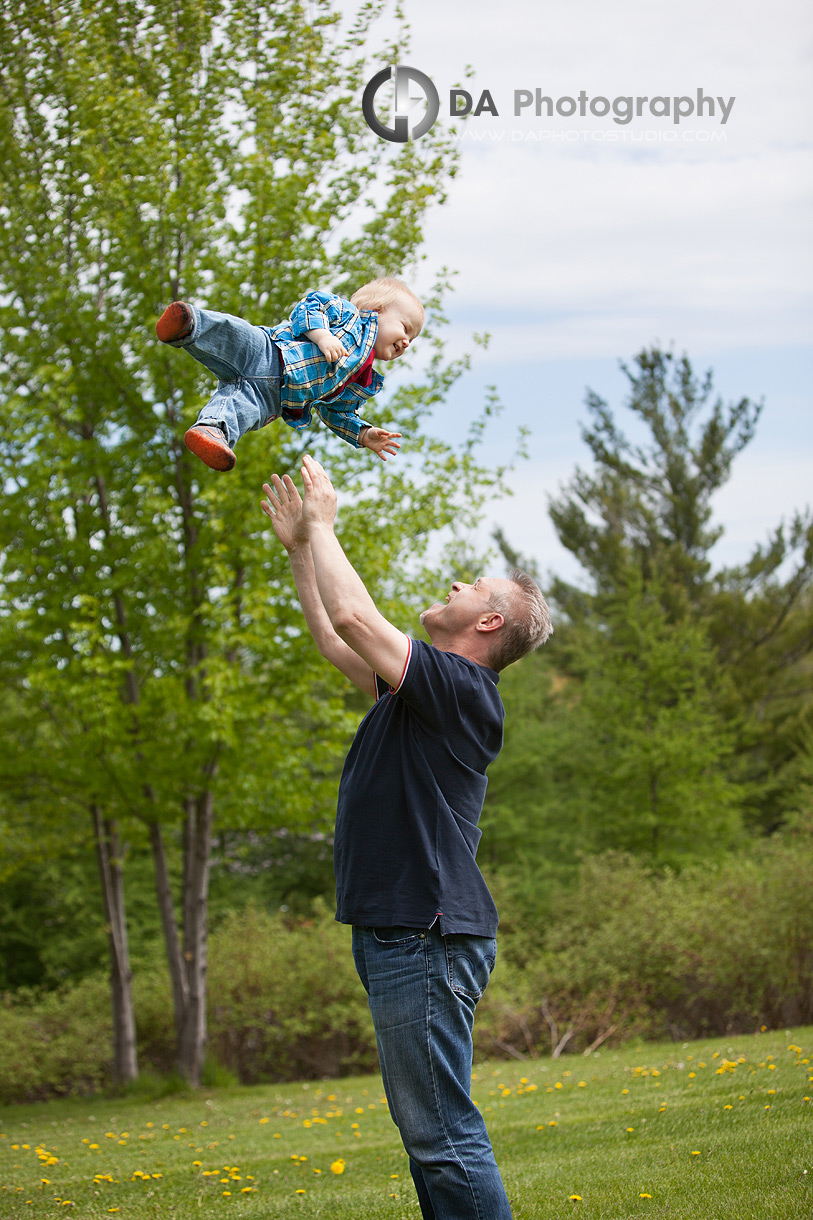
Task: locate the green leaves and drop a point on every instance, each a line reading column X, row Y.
column 149, row 632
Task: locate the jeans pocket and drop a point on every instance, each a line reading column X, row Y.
column 470, row 961
column 397, row 935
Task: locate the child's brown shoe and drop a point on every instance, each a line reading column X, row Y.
column 208, row 443
column 176, row 322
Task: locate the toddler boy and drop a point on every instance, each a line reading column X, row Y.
column 320, row 360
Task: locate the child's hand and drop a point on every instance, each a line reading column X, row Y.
column 331, row 348
column 380, row 441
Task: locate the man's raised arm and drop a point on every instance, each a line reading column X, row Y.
column 284, row 506
column 350, row 609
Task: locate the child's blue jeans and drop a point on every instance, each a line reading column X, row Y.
column 248, row 366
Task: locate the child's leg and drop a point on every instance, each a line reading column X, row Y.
column 241, row 406
column 247, row 364
column 229, row 347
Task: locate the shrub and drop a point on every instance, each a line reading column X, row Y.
column 55, row 1045
column 285, row 1000
column 719, row 948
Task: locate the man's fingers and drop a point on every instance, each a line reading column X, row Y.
column 314, row 466
column 292, row 489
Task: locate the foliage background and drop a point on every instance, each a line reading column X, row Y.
column 647, row 827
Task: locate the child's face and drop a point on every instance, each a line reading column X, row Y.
column 398, row 324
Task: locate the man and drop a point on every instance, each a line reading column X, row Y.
column 410, row 797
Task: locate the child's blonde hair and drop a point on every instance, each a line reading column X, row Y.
column 378, row 294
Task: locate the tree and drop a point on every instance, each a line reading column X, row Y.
column 213, row 151
column 648, row 504
column 646, row 507
column 673, row 701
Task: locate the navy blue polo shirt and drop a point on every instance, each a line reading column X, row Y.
column 411, row 795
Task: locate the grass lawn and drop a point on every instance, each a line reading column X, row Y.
column 693, row 1131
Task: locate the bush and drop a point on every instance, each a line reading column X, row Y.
column 622, row 952
column 285, row 1000
column 720, row 948
column 55, row 1045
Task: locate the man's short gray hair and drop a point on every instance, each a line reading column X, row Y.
column 527, row 622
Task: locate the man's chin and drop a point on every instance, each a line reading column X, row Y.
column 424, row 613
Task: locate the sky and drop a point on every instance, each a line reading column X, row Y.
column 577, row 241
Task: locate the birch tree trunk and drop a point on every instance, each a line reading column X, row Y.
column 125, row 1060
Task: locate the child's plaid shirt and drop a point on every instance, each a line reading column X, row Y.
column 309, row 378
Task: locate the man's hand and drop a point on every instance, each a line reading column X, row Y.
column 380, row 441
column 284, row 506
column 331, row 348
column 319, row 507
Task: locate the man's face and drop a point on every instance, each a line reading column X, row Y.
column 464, row 605
column 398, row 324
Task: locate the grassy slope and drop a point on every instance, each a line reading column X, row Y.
column 732, row 1141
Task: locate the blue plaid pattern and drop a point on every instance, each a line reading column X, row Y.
column 310, row 379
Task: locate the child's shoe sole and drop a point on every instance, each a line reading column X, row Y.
column 209, row 444
column 176, row 322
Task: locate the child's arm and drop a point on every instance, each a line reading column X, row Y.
column 314, row 317
column 329, row 345
column 357, row 432
column 380, row 441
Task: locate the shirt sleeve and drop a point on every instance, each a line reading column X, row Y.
column 444, row 689
column 321, row 311
column 345, row 424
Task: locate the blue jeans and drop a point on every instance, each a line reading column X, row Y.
column 248, row 366
column 423, row 989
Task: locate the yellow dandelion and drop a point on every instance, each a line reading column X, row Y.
column 574, row 1198
column 696, row 1152
column 301, row 1192
column 643, row 1195
column 264, row 1120
column 337, row 1166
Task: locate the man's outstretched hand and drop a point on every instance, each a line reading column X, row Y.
column 319, row 507
column 283, row 504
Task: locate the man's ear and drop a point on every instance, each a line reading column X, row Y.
column 490, row 622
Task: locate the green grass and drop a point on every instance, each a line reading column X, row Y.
column 700, row 1131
